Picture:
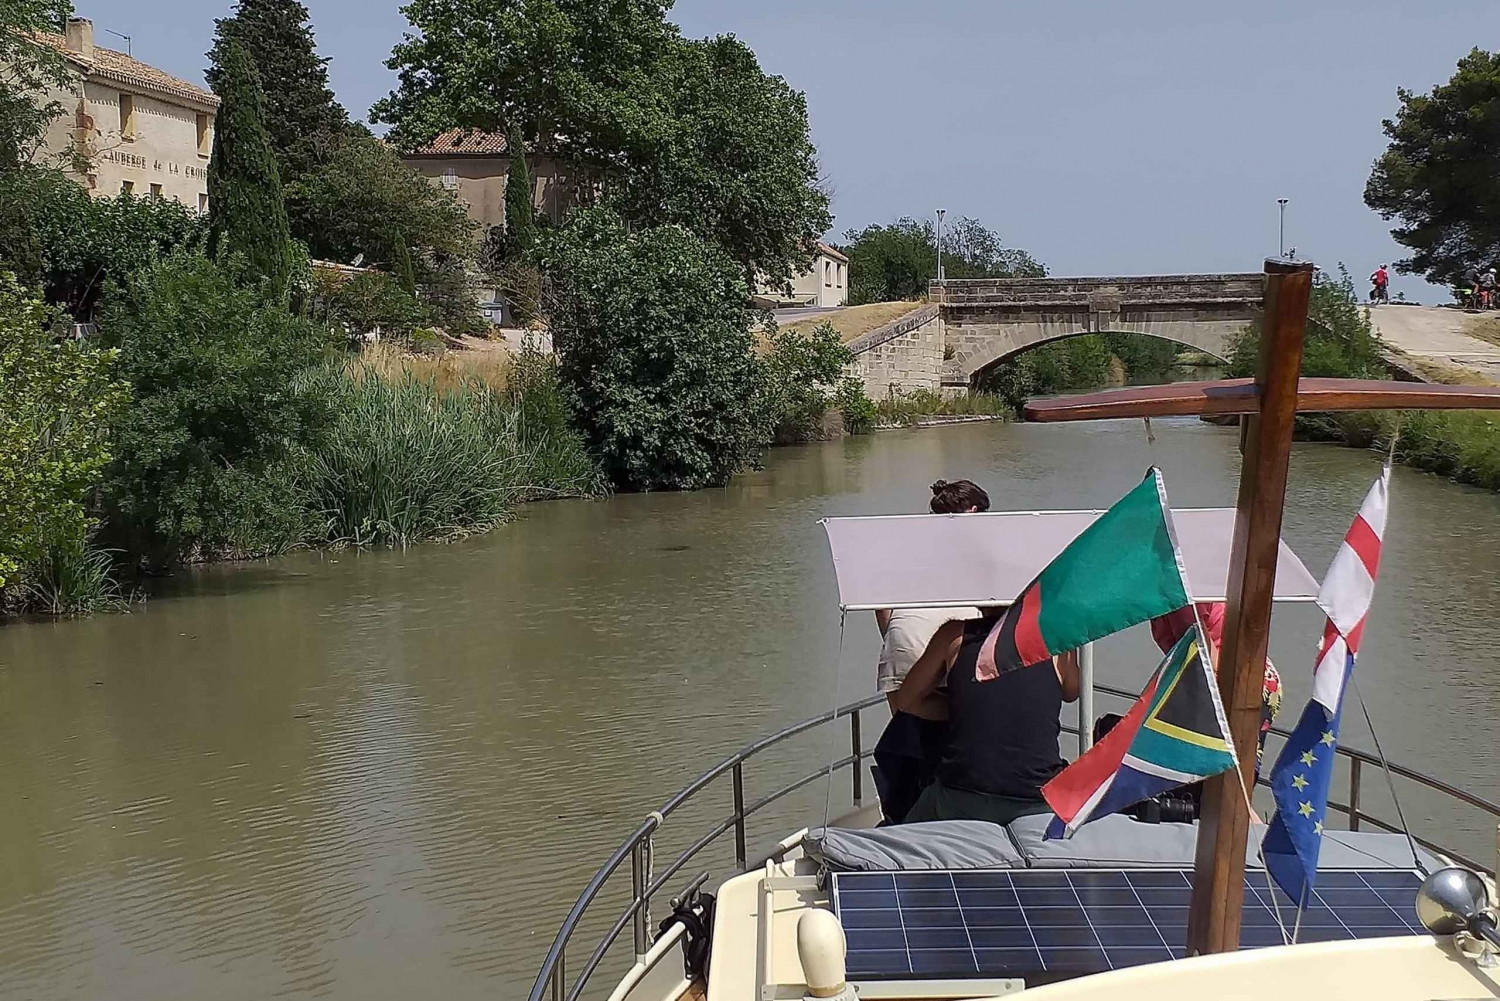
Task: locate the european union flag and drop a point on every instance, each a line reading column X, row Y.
column 1300, row 782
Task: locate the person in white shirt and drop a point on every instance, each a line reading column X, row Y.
column 907, row 753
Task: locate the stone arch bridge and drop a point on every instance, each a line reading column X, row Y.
column 971, row 325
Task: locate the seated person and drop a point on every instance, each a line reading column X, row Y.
column 1000, row 747
column 908, row 750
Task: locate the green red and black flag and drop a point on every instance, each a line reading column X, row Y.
column 1123, row 569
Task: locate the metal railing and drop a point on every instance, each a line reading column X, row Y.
column 552, row 982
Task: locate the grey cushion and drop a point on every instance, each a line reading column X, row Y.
column 1116, row 841
column 1360, row 850
column 937, row 844
column 1111, row 842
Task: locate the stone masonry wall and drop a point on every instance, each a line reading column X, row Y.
column 903, row 356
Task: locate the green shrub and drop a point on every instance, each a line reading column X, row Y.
column 560, row 463
column 858, row 410
column 1145, row 358
column 406, row 461
column 801, row 371
column 366, row 302
column 1340, row 342
column 653, row 335
column 200, row 465
column 73, row 245
column 59, row 401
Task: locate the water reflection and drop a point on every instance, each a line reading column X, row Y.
column 387, row 775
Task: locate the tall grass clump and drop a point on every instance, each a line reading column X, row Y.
column 908, row 408
column 408, row 461
column 73, row 578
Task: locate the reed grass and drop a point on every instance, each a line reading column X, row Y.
column 73, row 580
column 410, row 459
column 908, row 408
column 449, row 371
column 1463, row 445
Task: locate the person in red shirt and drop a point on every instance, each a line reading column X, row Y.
column 1381, row 281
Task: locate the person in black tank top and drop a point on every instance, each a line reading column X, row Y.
column 1001, row 744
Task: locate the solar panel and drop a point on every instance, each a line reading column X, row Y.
column 1052, row 923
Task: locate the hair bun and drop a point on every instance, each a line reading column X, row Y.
column 939, row 486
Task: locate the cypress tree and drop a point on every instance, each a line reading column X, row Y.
column 300, row 108
column 520, row 223
column 246, row 212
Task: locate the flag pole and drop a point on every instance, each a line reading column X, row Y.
column 1219, row 866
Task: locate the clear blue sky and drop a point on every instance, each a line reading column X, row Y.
column 1103, row 137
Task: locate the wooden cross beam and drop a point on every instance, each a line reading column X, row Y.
column 1269, row 403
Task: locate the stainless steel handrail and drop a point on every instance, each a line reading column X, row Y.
column 552, row 978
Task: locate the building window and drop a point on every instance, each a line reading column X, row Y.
column 828, row 274
column 156, row 191
column 127, row 187
column 204, row 146
column 450, row 179
column 127, row 117
column 202, row 203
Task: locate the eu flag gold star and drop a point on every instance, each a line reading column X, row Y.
column 1309, row 758
column 1328, row 737
column 1305, row 809
column 1318, row 827
column 1299, row 782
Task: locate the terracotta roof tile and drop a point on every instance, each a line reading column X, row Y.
column 463, row 141
column 828, row 251
column 120, row 68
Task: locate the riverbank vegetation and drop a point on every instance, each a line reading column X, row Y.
column 1341, row 343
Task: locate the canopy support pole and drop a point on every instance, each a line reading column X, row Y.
column 1219, row 867
column 1085, row 699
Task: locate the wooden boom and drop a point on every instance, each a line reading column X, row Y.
column 1270, row 403
column 1240, row 396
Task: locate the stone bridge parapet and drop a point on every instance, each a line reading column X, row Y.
column 973, row 324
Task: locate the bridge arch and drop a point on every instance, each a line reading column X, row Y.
column 969, row 367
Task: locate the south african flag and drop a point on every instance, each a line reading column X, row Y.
column 1122, row 570
column 1175, row 734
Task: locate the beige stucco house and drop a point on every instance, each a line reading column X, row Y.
column 825, row 283
column 474, row 165
column 140, row 130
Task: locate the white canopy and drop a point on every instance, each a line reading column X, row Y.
column 935, row 560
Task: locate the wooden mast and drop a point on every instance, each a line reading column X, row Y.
column 1224, row 821
column 1270, row 403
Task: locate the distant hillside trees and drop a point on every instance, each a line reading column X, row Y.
column 897, row 261
column 1438, row 178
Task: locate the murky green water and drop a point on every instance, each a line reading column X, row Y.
column 387, row 775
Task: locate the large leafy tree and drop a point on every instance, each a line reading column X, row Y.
column 247, row 213
column 691, row 133
column 731, row 158
column 28, row 69
column 1438, row 178
column 301, row 111
column 576, row 73
column 897, row 261
column 363, row 200
column 653, row 337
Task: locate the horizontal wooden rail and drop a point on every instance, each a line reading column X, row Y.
column 1237, row 396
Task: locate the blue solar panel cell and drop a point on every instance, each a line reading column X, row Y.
column 1057, row 923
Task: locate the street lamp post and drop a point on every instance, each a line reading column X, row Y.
column 940, row 214
column 1281, row 239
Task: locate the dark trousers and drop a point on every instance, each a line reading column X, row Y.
column 906, row 757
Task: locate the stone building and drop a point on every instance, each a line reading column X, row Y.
column 474, row 166
column 825, row 283
column 140, row 130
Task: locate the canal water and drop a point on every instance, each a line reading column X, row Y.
column 387, row 775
